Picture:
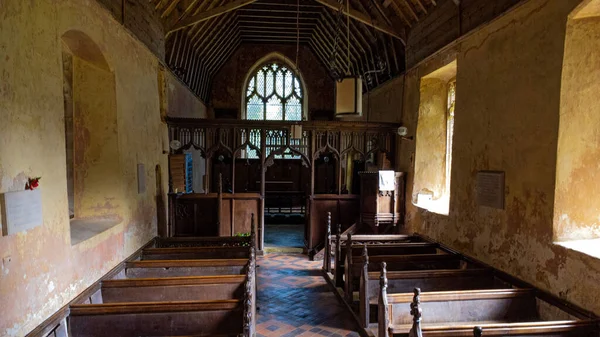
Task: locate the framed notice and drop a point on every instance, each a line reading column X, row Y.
column 21, row 211
column 490, row 189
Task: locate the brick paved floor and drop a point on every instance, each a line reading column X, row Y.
column 295, row 300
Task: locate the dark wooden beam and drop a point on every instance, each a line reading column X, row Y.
column 193, row 20
column 361, row 17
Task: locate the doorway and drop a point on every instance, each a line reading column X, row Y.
column 286, row 188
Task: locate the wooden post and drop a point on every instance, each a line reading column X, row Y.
column 263, row 171
column 383, row 309
column 337, row 268
column 364, row 289
column 477, row 331
column 249, row 300
column 220, row 204
column 327, row 254
column 252, row 232
column 415, row 311
column 348, row 286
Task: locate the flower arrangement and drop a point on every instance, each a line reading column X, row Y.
column 33, row 183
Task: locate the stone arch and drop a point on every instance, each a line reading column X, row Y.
column 82, row 46
column 94, row 176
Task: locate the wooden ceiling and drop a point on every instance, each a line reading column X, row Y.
column 203, row 34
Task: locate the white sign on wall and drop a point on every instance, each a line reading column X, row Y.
column 21, row 211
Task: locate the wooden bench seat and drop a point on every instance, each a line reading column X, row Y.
column 157, row 319
column 192, row 253
column 426, row 280
column 407, row 262
column 570, row 328
column 176, row 268
column 334, row 243
column 196, row 288
column 501, row 312
column 204, row 241
column 497, row 305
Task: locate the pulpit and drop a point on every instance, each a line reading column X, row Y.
column 382, row 200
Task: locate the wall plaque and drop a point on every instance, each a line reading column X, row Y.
column 21, row 211
column 490, row 189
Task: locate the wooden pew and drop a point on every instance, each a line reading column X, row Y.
column 336, row 250
column 205, row 241
column 426, row 280
column 334, row 243
column 153, row 307
column 210, row 241
column 157, row 318
column 354, row 265
column 504, row 312
column 169, row 289
column 194, row 253
column 176, row 268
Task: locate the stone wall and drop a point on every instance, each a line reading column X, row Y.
column 41, row 270
column 509, row 78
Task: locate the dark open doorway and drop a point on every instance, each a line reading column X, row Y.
column 286, row 184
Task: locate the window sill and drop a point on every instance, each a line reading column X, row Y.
column 440, row 206
column 587, row 247
column 84, row 229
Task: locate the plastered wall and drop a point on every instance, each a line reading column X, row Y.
column 40, row 270
column 177, row 99
column 576, row 201
column 507, row 118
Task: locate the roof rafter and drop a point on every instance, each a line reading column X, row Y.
column 363, row 18
column 209, row 14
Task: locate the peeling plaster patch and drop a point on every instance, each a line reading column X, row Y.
column 51, row 287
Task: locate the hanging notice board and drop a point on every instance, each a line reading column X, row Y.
column 490, row 189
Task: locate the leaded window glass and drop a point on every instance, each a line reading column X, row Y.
column 274, row 93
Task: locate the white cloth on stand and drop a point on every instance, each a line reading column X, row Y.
column 387, row 180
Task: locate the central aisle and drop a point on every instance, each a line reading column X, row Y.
column 295, row 300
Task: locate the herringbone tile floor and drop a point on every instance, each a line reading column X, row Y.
column 295, row 300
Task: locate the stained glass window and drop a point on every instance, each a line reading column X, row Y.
column 274, row 93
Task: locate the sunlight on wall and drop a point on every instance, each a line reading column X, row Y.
column 433, row 157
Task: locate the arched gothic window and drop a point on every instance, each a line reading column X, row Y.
column 274, row 93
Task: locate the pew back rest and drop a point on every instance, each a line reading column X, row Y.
column 397, row 249
column 225, row 241
column 177, row 268
column 412, row 262
column 191, row 253
column 157, row 319
column 495, row 305
column 200, row 288
column 435, row 280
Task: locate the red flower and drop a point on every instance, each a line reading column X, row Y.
column 33, row 183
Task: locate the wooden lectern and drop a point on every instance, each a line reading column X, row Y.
column 381, row 210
